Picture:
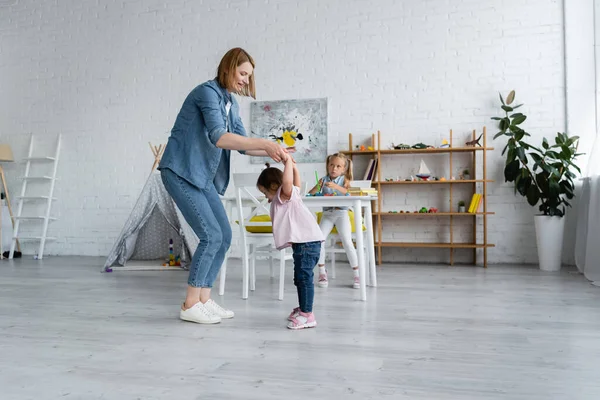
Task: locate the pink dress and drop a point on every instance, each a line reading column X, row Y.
column 292, row 221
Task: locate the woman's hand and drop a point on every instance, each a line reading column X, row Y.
column 275, row 151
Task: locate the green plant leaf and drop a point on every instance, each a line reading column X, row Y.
column 523, row 185
column 505, row 147
column 545, row 144
column 519, row 135
column 501, row 99
column 519, row 119
column 553, row 190
column 511, row 171
column 512, row 154
column 521, row 155
column 533, row 195
column 504, row 124
column 507, row 108
column 541, row 179
column 496, row 118
column 536, row 157
column 497, row 135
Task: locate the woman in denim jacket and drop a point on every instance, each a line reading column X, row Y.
column 195, row 171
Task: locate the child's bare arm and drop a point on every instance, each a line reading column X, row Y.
column 297, row 178
column 288, row 179
column 316, row 188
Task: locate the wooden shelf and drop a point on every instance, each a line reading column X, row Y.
column 435, row 245
column 437, row 214
column 436, row 150
column 432, row 182
column 478, row 239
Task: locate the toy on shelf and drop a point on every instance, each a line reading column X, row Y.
column 432, row 210
column 424, row 172
column 444, row 144
column 474, row 142
column 423, row 210
column 464, row 176
column 420, row 146
column 400, row 146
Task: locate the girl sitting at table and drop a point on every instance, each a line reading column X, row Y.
column 337, row 181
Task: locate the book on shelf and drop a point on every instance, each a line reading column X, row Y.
column 370, row 171
column 475, row 202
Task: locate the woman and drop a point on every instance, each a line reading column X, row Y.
column 195, row 171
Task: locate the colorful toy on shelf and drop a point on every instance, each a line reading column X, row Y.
column 370, row 148
column 442, row 179
column 444, row 144
column 419, row 146
column 400, row 146
column 423, row 210
column 432, row 210
column 424, row 172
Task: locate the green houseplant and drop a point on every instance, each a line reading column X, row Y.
column 542, row 174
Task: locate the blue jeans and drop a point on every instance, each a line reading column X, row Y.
column 306, row 256
column 204, row 212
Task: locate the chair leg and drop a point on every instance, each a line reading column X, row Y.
column 245, row 263
column 281, row 273
column 332, row 262
column 272, row 266
column 252, row 267
column 222, row 275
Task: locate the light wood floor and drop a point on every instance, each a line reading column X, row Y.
column 427, row 332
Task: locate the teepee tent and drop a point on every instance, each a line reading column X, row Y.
column 144, row 240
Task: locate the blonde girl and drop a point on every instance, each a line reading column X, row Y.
column 337, row 180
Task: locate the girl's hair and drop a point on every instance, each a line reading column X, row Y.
column 347, row 172
column 270, row 176
column 230, row 61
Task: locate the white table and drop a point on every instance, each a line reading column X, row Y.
column 359, row 203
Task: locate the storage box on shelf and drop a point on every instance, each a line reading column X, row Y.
column 475, row 179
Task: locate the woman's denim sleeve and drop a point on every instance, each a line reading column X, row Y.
column 207, row 101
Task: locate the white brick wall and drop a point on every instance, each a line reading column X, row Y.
column 111, row 76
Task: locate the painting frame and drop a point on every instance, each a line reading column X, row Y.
column 299, row 123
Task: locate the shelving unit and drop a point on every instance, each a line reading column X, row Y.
column 381, row 184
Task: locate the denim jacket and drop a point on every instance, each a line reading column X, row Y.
column 191, row 150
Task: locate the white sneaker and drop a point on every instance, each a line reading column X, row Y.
column 199, row 314
column 216, row 309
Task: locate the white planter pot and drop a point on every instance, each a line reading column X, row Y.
column 549, row 233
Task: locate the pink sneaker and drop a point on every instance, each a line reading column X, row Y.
column 294, row 312
column 356, row 284
column 323, row 282
column 302, row 320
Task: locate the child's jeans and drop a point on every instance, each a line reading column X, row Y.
column 341, row 220
column 306, row 256
column 204, row 212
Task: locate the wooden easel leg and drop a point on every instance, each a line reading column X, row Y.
column 8, row 202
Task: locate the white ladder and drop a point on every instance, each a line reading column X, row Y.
column 48, row 199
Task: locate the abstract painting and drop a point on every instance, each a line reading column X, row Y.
column 292, row 123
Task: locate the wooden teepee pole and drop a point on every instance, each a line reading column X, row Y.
column 158, row 152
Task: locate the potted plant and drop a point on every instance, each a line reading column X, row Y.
column 543, row 175
column 465, row 174
column 461, row 206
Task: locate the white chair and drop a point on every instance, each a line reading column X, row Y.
column 330, row 244
column 253, row 244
